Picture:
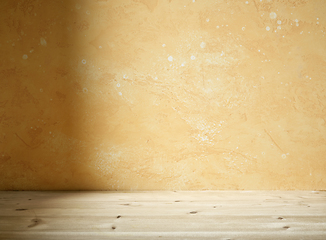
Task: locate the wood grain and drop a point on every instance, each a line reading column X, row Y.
column 163, row 215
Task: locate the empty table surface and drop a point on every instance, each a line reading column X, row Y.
column 163, row 215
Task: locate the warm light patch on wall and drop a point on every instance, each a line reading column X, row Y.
column 148, row 94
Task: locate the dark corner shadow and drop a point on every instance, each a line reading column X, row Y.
column 46, row 140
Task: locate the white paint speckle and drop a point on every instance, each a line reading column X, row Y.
column 268, row 28
column 297, row 24
column 43, row 42
column 272, row 15
column 118, row 85
column 163, row 45
column 203, row 45
column 192, row 57
column 83, row 61
column 193, row 0
column 182, row 65
column 317, row 22
column 170, row 58
column 247, row 2
column 243, row 28
column 296, row 20
column 279, row 27
column 120, row 93
column 100, row 47
column 25, row 56
column 207, row 20
column 279, row 22
column 283, row 156
column 263, row 153
column 217, row 26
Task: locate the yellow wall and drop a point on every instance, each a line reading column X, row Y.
column 162, row 94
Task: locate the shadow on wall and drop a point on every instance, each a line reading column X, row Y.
column 45, row 102
column 173, row 95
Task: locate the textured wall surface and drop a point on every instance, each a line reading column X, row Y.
column 163, row 94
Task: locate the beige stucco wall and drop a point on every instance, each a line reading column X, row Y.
column 162, row 94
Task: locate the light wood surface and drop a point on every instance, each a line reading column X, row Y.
column 163, row 215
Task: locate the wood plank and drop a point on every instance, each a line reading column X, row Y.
column 176, row 223
column 165, row 209
column 161, row 196
column 163, row 215
column 167, row 235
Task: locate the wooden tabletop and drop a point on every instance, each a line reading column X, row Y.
column 163, row 215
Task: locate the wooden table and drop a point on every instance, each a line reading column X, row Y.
column 163, row 215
